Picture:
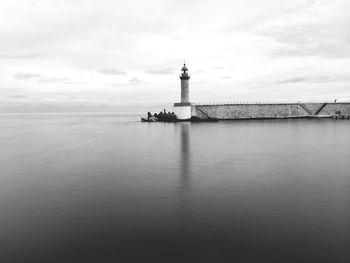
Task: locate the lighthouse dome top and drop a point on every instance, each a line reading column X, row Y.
column 184, row 73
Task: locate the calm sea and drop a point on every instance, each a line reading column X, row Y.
column 108, row 188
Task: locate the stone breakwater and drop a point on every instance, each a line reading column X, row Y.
column 236, row 111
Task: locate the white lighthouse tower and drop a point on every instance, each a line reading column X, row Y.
column 183, row 109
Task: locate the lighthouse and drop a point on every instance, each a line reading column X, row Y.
column 183, row 109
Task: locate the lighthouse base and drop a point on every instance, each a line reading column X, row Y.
column 182, row 111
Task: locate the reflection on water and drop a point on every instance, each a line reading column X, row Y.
column 185, row 154
column 184, row 173
column 106, row 188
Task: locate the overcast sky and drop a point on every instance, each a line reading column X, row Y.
column 116, row 52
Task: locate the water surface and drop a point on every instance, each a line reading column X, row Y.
column 108, row 188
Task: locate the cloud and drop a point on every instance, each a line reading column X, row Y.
column 38, row 77
column 163, row 71
column 315, row 79
column 20, row 56
column 21, row 76
column 52, row 80
column 130, row 82
column 331, row 78
column 19, row 96
column 327, row 50
column 74, row 82
column 308, row 38
column 317, row 28
column 111, row 71
column 199, row 71
column 135, row 80
column 292, row 80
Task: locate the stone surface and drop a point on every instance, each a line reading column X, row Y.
column 282, row 110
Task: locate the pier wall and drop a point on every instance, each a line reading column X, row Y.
column 269, row 110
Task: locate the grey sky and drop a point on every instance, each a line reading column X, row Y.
column 115, row 52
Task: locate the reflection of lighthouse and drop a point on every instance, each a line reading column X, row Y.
column 183, row 109
column 185, row 171
column 185, row 153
